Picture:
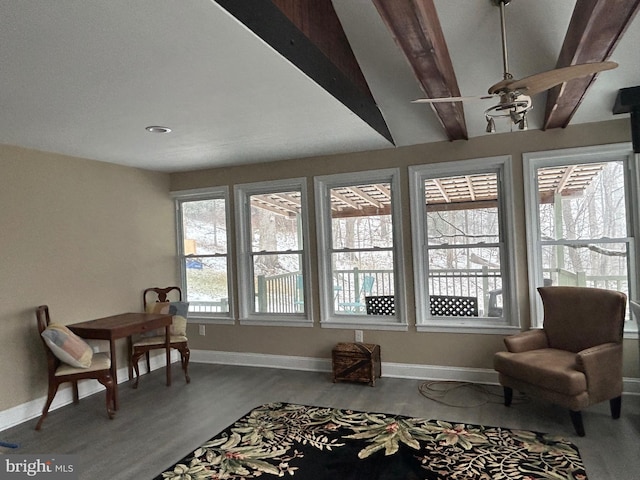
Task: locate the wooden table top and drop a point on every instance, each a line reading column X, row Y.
column 123, row 324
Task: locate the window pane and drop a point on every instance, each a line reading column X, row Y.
column 358, row 247
column 591, row 264
column 582, row 201
column 276, row 222
column 204, row 227
column 357, row 275
column 462, row 209
column 468, row 272
column 278, row 284
column 361, row 216
column 207, row 284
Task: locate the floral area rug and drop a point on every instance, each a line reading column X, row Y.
column 318, row 443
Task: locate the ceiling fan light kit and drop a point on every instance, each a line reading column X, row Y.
column 513, row 106
column 515, row 94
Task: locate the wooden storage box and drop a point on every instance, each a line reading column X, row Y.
column 356, row 362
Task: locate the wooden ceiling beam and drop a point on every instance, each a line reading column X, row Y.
column 449, row 207
column 367, row 211
column 415, row 27
column 595, row 29
column 308, row 33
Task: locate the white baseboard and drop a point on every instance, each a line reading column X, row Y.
column 396, row 370
column 631, row 386
column 261, row 360
column 33, row 409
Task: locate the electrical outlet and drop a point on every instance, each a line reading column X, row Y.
column 359, row 336
column 202, row 329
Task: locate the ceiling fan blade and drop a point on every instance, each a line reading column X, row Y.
column 453, row 99
column 544, row 81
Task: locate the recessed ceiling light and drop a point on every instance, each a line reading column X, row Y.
column 157, row 129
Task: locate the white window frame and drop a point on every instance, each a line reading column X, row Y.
column 248, row 316
column 593, row 154
column 510, row 320
column 215, row 193
column 329, row 319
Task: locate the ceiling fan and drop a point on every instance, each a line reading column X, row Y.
column 515, row 95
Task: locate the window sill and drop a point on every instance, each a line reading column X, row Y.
column 276, row 322
column 195, row 318
column 468, row 328
column 361, row 325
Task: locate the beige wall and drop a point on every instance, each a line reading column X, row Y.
column 461, row 350
column 85, row 238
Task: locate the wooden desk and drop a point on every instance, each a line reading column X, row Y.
column 121, row 326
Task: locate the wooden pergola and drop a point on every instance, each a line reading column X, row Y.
column 450, row 193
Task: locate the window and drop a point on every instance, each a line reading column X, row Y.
column 581, row 210
column 462, row 225
column 203, row 245
column 359, row 243
column 273, row 262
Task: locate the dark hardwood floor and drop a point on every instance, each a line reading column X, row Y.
column 158, row 425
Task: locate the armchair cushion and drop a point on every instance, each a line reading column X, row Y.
column 551, row 369
column 67, row 346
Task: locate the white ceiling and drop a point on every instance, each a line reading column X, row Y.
column 85, row 77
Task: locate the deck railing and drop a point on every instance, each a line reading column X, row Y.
column 560, row 276
column 284, row 293
column 209, row 307
column 280, row 293
column 484, row 283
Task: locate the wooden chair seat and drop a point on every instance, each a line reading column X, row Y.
column 100, row 361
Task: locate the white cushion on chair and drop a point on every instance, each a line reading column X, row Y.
column 67, row 346
column 179, row 310
column 100, row 361
column 179, row 326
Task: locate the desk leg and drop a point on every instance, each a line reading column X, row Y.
column 129, row 353
column 167, row 335
column 114, row 373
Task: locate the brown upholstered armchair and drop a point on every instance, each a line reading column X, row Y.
column 575, row 360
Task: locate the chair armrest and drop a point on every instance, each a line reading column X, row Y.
column 525, row 341
column 602, row 365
